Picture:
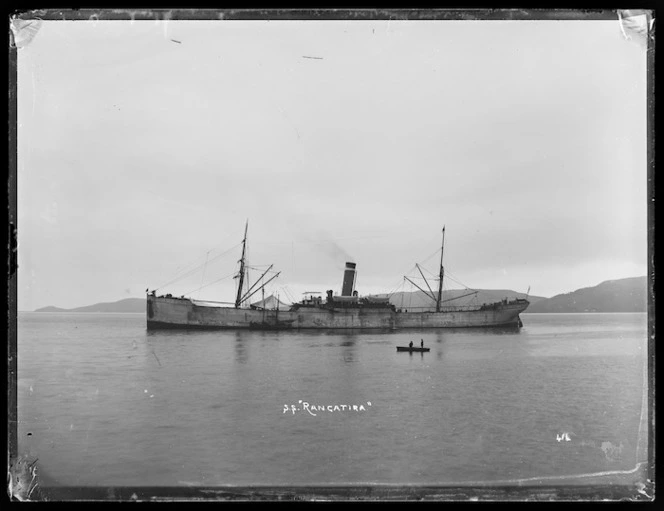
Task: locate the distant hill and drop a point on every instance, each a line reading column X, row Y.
column 126, row 305
column 624, row 295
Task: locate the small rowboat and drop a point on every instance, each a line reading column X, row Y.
column 408, row 348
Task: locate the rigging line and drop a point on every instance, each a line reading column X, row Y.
column 265, row 268
column 210, row 283
column 403, row 293
column 282, row 289
column 424, row 291
column 247, row 296
column 436, row 252
column 196, row 263
column 435, row 277
column 397, row 289
column 460, row 283
column 221, row 245
column 425, row 280
column 188, row 274
column 204, row 268
column 410, row 293
column 194, row 270
column 186, row 267
column 179, row 276
column 287, row 292
column 449, row 269
column 455, row 279
column 415, row 265
column 246, row 272
column 410, row 270
column 259, row 280
column 318, row 242
column 424, row 269
column 415, row 277
column 448, row 275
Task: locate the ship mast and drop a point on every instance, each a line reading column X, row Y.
column 441, row 275
column 238, row 300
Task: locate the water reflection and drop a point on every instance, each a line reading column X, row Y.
column 349, row 350
column 439, row 340
column 157, row 334
column 146, row 349
column 413, row 354
column 241, row 354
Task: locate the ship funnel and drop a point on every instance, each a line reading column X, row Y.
column 349, row 280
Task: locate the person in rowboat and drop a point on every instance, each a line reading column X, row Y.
column 411, row 344
column 422, row 343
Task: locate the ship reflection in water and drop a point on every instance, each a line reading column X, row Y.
column 241, row 355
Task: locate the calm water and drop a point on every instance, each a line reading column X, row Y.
column 101, row 401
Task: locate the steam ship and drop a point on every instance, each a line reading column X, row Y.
column 345, row 311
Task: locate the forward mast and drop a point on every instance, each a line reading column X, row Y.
column 238, row 300
column 441, row 274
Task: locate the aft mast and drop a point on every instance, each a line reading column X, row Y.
column 441, row 275
column 238, row 300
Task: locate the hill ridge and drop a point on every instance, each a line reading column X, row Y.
column 618, row 295
column 123, row 305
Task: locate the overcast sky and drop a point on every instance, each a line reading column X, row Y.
column 144, row 147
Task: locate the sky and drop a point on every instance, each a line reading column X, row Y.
column 144, row 147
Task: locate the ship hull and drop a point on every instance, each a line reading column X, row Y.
column 184, row 313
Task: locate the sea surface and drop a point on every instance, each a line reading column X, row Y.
column 102, row 401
